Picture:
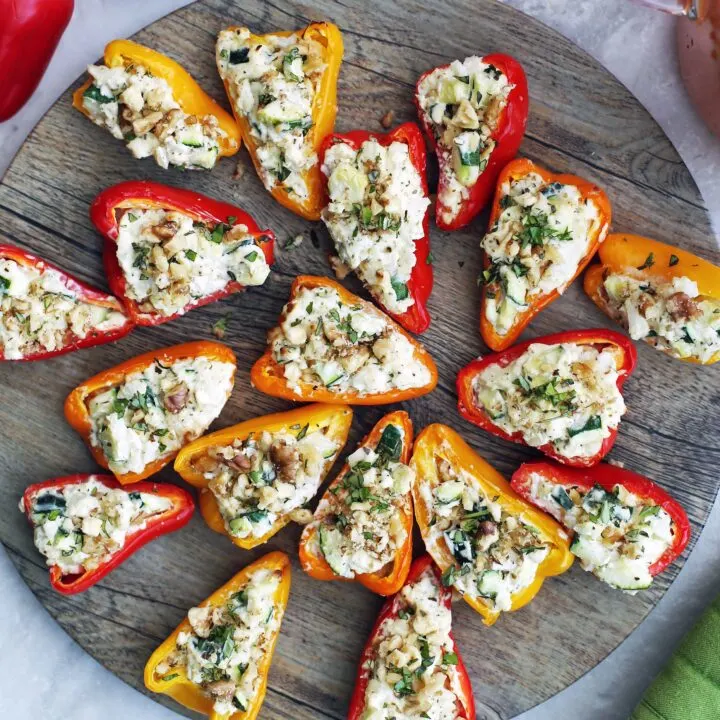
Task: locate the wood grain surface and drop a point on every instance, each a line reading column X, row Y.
column 582, row 121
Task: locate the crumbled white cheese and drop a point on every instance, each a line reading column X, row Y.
column 619, row 536
column 170, row 261
column 324, row 341
column 139, row 108
column 154, row 412
column 565, row 395
column 495, row 553
column 669, row 315
column 80, row 526
column 542, row 235
column 376, row 213
column 273, row 84
column 265, row 477
column 40, row 313
column 413, row 667
column 228, row 643
column 462, row 104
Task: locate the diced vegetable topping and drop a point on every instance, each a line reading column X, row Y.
column 618, row 535
column 80, row 526
column 462, row 104
column 375, row 214
column 324, row 341
column 227, row 644
column 273, row 84
column 40, row 313
column 139, row 108
column 565, row 395
column 170, row 261
column 156, row 411
column 669, row 315
column 413, row 670
column 536, row 245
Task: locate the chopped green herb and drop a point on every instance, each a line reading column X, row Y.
column 674, row 260
column 649, row 262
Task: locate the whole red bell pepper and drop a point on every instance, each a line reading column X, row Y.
column 465, row 701
column 507, row 135
column 29, row 33
column 626, row 357
column 83, row 292
column 416, row 318
column 607, row 477
column 143, row 194
column 172, row 519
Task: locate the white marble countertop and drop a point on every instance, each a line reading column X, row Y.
column 43, row 673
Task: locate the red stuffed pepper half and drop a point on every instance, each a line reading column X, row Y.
column 46, row 312
column 474, row 113
column 377, row 215
column 561, row 394
column 411, row 666
column 86, row 525
column 627, row 528
column 170, row 250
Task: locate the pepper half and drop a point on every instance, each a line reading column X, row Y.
column 440, row 441
column 267, row 374
column 608, row 477
column 643, row 258
column 514, row 171
column 143, row 194
column 465, row 702
column 416, row 319
column 386, row 581
column 507, row 136
column 172, row 519
column 84, row 293
column 335, row 419
column 29, row 35
column 78, row 414
column 188, row 693
column 626, row 358
column 324, row 109
column 191, row 98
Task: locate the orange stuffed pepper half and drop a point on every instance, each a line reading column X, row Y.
column 254, row 478
column 332, row 346
column 661, row 294
column 217, row 660
column 283, row 90
column 150, row 102
column 492, row 546
column 136, row 416
column 544, row 228
column 362, row 529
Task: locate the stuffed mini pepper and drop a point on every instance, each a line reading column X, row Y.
column 474, row 113
column 136, row 416
column 560, row 393
column 627, row 529
column 378, row 217
column 169, row 250
column 544, row 229
column 362, row 528
column 493, row 547
column 332, row 346
column 217, row 660
column 411, row 667
column 86, row 525
column 283, row 89
column 661, row 294
column 255, row 477
column 46, row 312
column 151, row 103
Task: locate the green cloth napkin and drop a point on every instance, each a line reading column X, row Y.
column 688, row 687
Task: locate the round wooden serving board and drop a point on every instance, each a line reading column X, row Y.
column 582, row 121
